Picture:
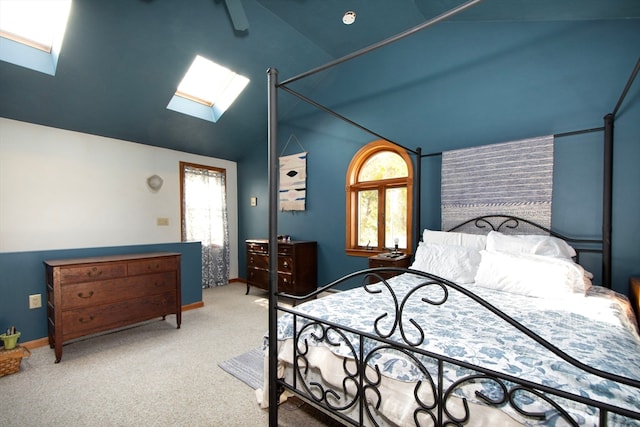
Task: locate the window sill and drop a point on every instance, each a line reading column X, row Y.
column 371, row 252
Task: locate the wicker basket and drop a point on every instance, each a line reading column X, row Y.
column 10, row 359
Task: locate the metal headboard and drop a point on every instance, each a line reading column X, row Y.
column 508, row 224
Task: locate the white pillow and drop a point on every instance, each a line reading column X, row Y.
column 529, row 244
column 455, row 263
column 475, row 241
column 531, row 275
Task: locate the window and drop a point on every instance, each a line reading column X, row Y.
column 203, row 195
column 379, row 199
column 207, row 90
column 31, row 32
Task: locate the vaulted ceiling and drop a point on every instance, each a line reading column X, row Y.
column 122, row 60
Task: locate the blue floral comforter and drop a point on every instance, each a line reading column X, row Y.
column 598, row 330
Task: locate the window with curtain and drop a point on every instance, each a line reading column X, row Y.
column 204, row 219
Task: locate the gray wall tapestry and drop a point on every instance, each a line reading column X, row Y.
column 511, row 178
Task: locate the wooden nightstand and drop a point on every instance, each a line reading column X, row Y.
column 634, row 295
column 383, row 260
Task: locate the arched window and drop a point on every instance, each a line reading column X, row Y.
column 379, row 191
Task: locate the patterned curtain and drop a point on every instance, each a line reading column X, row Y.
column 205, row 220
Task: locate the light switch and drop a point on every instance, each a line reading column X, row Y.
column 35, row 301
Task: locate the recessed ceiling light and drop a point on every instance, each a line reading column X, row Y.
column 349, row 17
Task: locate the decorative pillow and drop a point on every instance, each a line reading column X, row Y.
column 475, row 241
column 531, row 275
column 455, row 263
column 529, row 244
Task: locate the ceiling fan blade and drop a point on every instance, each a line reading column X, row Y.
column 238, row 17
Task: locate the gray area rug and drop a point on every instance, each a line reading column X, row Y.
column 247, row 367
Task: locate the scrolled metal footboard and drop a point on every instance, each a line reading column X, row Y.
column 359, row 397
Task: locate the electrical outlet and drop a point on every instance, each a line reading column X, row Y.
column 35, row 301
column 162, row 221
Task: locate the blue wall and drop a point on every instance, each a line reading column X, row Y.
column 23, row 274
column 466, row 84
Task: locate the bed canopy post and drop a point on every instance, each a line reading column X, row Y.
column 607, row 199
column 272, row 96
column 416, row 190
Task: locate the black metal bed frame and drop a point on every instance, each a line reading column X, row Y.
column 510, row 223
column 274, row 85
column 342, row 404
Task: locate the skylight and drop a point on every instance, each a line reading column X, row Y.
column 207, row 90
column 31, row 32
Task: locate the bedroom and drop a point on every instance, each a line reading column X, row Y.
column 528, row 79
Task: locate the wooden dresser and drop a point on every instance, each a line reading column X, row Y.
column 89, row 295
column 297, row 266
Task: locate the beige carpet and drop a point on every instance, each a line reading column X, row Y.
column 152, row 374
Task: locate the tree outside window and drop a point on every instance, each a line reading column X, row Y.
column 379, row 199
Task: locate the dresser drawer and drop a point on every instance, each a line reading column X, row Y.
column 285, row 264
column 285, row 283
column 285, row 250
column 89, row 272
column 154, row 265
column 108, row 291
column 258, row 247
column 258, row 277
column 257, row 260
column 83, row 321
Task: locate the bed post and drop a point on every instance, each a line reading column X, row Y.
column 416, row 189
column 607, row 200
column 273, row 243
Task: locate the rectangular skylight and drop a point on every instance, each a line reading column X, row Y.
column 31, row 32
column 207, row 90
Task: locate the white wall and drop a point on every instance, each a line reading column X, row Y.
column 61, row 189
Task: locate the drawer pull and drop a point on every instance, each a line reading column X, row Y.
column 94, row 272
column 285, row 264
column 82, row 295
column 83, row 320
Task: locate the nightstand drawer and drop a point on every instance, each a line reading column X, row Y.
column 383, row 260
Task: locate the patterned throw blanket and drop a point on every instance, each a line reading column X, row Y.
column 598, row 330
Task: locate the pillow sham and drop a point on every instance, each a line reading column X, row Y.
column 455, row 263
column 531, row 275
column 529, row 244
column 475, row 241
